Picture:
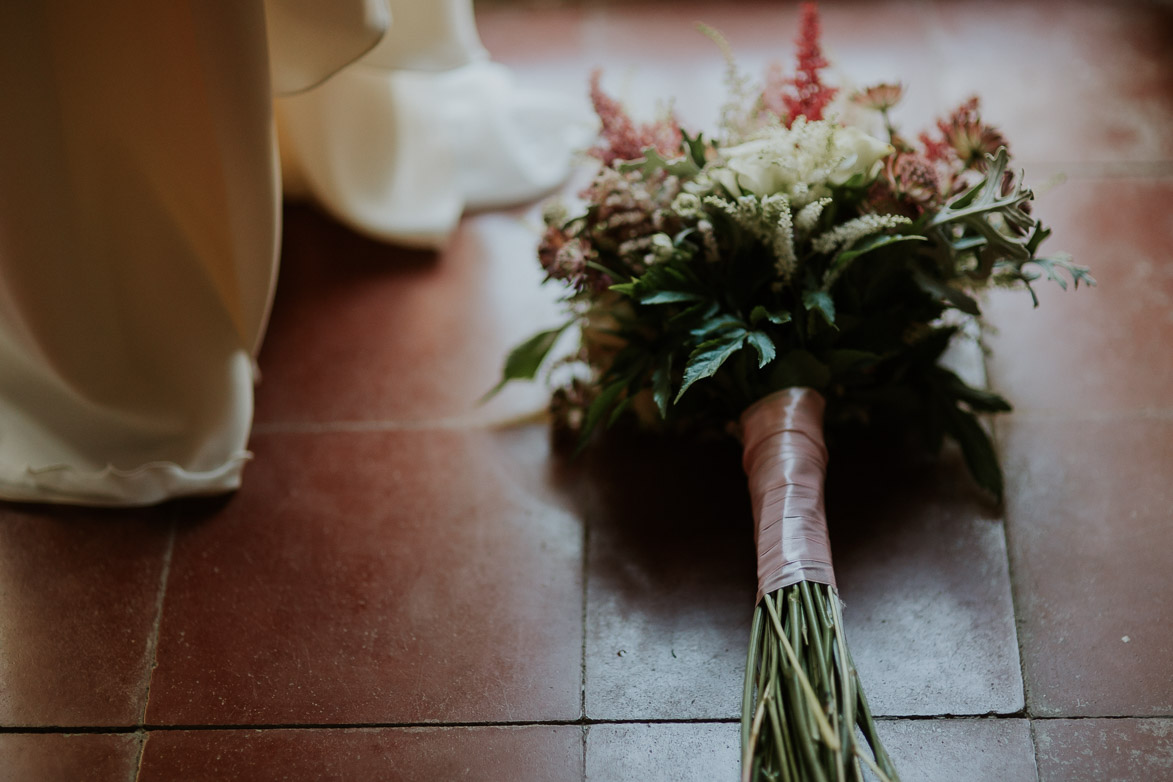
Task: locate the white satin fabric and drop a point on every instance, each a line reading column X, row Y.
column 425, row 127
column 140, row 206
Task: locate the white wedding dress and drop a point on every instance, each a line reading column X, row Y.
column 140, row 193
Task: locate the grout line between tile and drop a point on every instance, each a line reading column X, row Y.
column 1102, row 416
column 456, row 422
column 1034, row 748
column 586, row 556
column 585, row 723
column 153, row 643
column 142, row 750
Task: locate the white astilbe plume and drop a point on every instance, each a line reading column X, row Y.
column 779, row 225
column 808, row 217
column 847, row 234
column 740, row 113
column 768, row 220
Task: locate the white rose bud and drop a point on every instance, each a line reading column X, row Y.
column 860, row 153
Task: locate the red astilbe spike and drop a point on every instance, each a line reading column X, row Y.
column 620, row 139
column 808, row 95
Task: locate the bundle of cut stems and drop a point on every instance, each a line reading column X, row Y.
column 803, row 701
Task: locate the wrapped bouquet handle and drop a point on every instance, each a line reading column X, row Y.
column 785, row 460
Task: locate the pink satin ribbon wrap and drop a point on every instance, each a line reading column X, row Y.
column 786, row 461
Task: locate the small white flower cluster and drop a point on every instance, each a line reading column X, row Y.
column 850, row 232
column 769, row 220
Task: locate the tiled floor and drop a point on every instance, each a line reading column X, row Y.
column 405, row 590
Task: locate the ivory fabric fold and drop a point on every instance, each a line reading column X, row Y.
column 139, row 208
column 140, row 204
column 785, row 459
column 423, row 128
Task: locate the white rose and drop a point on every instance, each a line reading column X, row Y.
column 800, row 162
column 860, row 152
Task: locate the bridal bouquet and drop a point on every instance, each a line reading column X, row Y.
column 792, row 275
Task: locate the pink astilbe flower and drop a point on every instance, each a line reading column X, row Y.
column 804, row 95
column 620, row 139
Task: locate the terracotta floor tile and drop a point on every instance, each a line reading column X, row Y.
column 1104, row 348
column 60, row 757
column 1097, row 750
column 978, row 750
column 365, row 331
column 79, row 592
column 670, row 589
column 381, row 577
column 920, row 556
column 1088, row 506
column 1064, row 80
column 692, row 752
column 540, row 753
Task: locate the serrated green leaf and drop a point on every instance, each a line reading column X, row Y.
column 763, row 345
column 760, row 313
column 696, row 148
column 708, row 358
column 524, row 361
column 717, row 324
column 669, row 297
column 820, row 301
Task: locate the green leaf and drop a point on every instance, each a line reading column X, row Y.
column 662, row 386
column 978, row 399
column 763, row 345
column 977, row 450
column 845, row 360
column 652, row 161
column 954, row 297
column 863, row 247
column 625, row 288
column 820, row 301
column 609, row 272
column 601, row 404
column 526, row 359
column 873, row 242
column 708, row 358
column 696, row 148
column 669, row 297
column 760, row 313
column 619, row 410
column 799, row 368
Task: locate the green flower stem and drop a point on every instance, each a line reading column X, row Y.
column 802, row 701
